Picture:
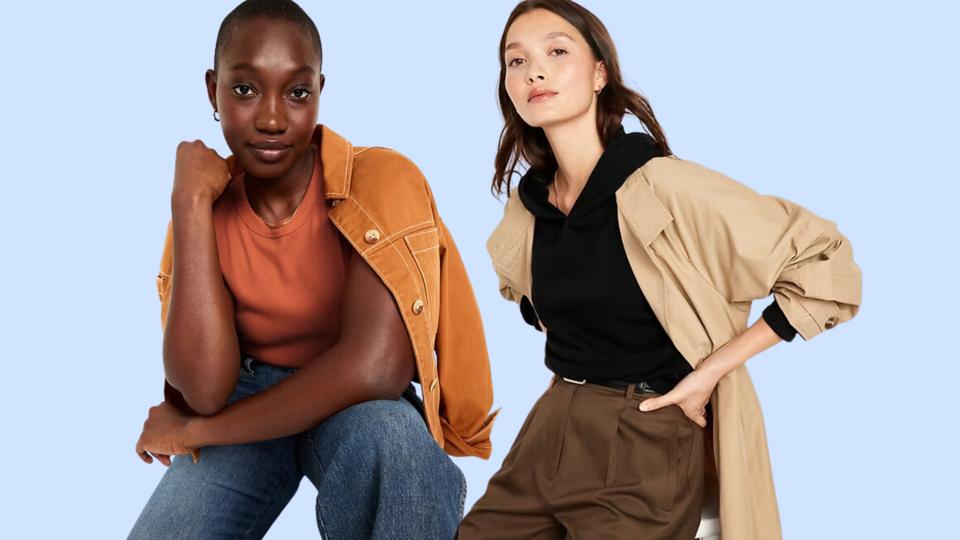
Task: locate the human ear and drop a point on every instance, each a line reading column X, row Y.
column 211, row 81
column 600, row 76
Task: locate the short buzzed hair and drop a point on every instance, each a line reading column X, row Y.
column 281, row 10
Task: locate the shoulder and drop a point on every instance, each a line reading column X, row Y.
column 391, row 191
column 513, row 209
column 508, row 236
column 679, row 180
column 671, row 172
column 387, row 171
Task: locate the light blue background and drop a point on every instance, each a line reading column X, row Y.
column 846, row 108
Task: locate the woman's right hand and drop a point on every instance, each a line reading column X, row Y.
column 200, row 173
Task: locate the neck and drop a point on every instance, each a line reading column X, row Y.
column 279, row 197
column 577, row 147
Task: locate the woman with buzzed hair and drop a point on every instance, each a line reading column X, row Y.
column 305, row 286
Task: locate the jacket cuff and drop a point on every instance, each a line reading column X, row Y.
column 475, row 444
column 775, row 317
column 806, row 316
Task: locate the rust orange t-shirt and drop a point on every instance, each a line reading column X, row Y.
column 286, row 282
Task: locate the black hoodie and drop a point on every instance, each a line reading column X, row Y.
column 601, row 326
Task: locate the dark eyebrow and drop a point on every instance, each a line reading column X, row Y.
column 549, row 36
column 251, row 67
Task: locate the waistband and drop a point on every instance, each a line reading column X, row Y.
column 641, row 387
column 251, row 364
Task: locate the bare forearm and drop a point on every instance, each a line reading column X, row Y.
column 200, row 349
column 341, row 377
column 752, row 341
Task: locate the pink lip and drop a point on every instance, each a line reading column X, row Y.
column 540, row 96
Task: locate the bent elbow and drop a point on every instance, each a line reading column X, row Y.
column 205, row 404
column 194, row 402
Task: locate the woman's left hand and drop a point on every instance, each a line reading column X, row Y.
column 691, row 394
column 163, row 434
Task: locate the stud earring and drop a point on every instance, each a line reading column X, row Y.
column 216, row 115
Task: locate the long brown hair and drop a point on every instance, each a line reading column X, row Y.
column 520, row 141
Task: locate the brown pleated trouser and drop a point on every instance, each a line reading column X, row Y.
column 587, row 464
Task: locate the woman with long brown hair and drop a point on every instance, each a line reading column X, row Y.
column 640, row 268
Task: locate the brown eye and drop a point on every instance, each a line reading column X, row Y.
column 562, row 51
column 305, row 93
column 512, row 62
column 241, row 89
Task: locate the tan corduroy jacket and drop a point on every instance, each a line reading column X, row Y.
column 702, row 247
column 383, row 205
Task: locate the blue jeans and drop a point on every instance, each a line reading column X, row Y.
column 377, row 471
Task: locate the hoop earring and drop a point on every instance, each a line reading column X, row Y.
column 215, row 115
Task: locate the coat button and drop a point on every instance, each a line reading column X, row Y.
column 418, row 306
column 334, row 202
column 831, row 322
column 372, row 236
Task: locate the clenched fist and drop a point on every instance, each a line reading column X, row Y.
column 200, row 172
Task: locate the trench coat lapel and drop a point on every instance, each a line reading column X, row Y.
column 641, row 210
column 642, row 217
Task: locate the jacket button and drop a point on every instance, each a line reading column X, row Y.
column 418, row 306
column 372, row 236
column 831, row 322
column 334, row 202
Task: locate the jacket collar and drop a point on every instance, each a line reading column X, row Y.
column 336, row 158
column 511, row 242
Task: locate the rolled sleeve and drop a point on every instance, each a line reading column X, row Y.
column 750, row 245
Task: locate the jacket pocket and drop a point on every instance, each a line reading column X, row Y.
column 424, row 246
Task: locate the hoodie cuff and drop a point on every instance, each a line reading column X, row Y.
column 775, row 317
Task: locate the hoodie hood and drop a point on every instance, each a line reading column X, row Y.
column 624, row 154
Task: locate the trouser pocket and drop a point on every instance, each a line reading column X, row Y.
column 650, row 456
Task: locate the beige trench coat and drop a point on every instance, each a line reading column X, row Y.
column 702, row 247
